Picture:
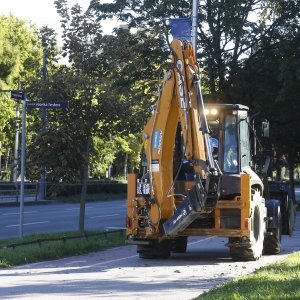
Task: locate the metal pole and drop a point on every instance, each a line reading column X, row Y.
column 23, row 149
column 42, row 181
column 195, row 25
column 16, row 152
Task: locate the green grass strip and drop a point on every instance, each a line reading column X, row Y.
column 56, row 249
column 277, row 281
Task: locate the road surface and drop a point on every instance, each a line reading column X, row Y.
column 59, row 217
column 64, row 217
column 119, row 273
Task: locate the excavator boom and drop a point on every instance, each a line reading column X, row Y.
column 180, row 106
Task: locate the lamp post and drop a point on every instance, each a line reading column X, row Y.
column 42, row 181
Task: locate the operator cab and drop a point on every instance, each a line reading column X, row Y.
column 229, row 126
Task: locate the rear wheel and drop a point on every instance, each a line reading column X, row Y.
column 253, row 248
column 155, row 250
column 272, row 242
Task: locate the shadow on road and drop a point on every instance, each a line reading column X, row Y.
column 119, row 273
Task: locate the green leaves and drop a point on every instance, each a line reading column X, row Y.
column 19, row 49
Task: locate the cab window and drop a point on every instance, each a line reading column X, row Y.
column 230, row 158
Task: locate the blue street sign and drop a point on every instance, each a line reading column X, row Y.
column 47, row 104
column 17, row 95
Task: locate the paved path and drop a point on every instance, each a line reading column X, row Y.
column 119, row 273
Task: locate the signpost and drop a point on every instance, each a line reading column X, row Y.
column 23, row 150
column 21, row 95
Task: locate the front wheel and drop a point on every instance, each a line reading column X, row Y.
column 155, row 250
column 253, row 248
column 179, row 244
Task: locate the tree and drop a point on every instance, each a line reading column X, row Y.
column 58, row 144
column 229, row 31
column 248, row 50
column 269, row 79
column 83, row 43
column 19, row 50
column 19, row 53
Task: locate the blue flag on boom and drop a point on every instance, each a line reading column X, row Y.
column 181, row 28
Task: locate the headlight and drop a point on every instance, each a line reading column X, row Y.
column 212, row 111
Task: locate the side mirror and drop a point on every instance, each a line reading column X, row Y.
column 265, row 129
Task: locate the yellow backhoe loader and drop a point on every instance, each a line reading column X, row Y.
column 198, row 178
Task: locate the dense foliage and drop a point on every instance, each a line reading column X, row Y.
column 248, row 49
column 249, row 52
column 19, row 53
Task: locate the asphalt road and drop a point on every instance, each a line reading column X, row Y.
column 100, row 215
column 58, row 217
column 118, row 273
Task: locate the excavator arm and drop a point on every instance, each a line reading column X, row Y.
column 179, row 104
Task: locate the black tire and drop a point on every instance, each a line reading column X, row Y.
column 179, row 244
column 285, row 214
column 155, row 250
column 272, row 242
column 253, row 249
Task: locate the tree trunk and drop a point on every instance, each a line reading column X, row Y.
column 0, row 158
column 125, row 165
column 84, row 180
column 7, row 158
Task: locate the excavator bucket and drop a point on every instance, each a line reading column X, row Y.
column 190, row 209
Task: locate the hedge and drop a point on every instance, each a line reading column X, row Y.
column 92, row 188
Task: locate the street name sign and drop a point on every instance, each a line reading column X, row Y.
column 17, row 95
column 47, row 104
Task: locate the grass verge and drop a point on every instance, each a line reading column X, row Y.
column 55, row 249
column 89, row 197
column 277, row 281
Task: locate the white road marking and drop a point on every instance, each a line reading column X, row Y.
column 44, row 222
column 69, row 209
column 104, row 216
column 25, row 212
column 75, row 262
column 114, row 260
column 115, row 228
column 109, row 207
column 200, row 241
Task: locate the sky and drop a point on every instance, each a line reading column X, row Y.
column 43, row 12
